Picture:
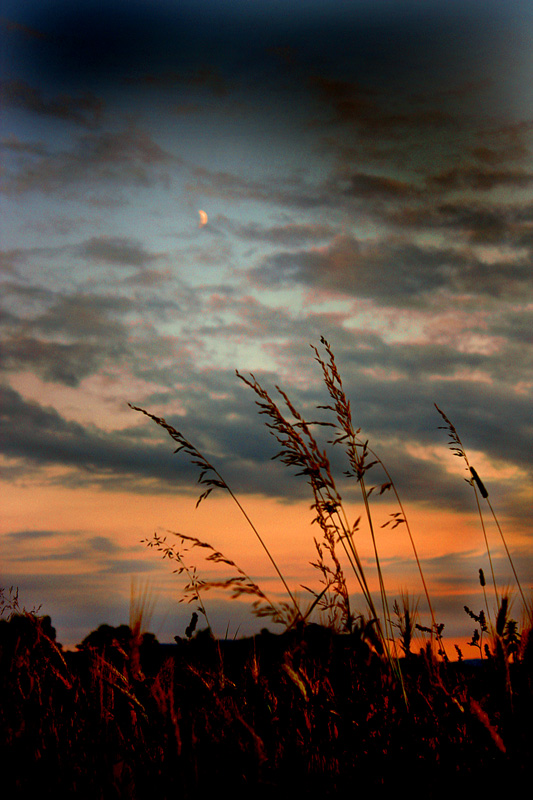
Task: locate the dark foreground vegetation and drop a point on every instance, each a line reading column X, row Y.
column 309, row 713
column 343, row 709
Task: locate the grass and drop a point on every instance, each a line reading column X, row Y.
column 317, row 710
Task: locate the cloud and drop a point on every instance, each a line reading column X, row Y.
column 33, row 149
column 67, row 340
column 123, row 158
column 516, row 325
column 30, row 535
column 116, row 250
column 382, row 187
column 292, row 191
column 103, row 544
column 289, row 235
column 62, row 363
column 135, row 457
column 207, row 77
column 20, row 29
column 374, row 128
column 475, row 222
column 85, row 109
column 372, row 112
column 62, row 545
column 482, row 179
column 41, row 436
column 395, row 271
column 65, row 337
column 397, row 413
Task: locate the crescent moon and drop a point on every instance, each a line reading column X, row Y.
column 203, row 218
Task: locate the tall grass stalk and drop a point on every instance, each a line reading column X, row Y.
column 211, row 478
column 456, row 446
column 402, row 519
column 357, row 453
column 194, row 586
column 300, row 449
column 483, row 584
column 527, row 606
column 238, row 584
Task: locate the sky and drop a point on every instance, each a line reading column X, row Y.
column 366, row 173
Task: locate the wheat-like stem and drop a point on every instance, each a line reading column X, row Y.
column 359, row 467
column 207, row 468
column 404, row 519
column 456, row 446
column 195, row 585
column 300, row 449
column 475, row 481
column 526, row 606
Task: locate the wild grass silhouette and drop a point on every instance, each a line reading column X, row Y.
column 317, row 710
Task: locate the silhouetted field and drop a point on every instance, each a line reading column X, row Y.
column 309, row 713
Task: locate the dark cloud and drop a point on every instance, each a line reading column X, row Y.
column 33, row 416
column 70, row 545
column 116, row 250
column 86, row 316
column 475, row 222
column 19, row 29
column 404, row 408
column 73, row 336
column 363, row 185
column 29, row 535
column 202, row 77
column 472, row 177
column 103, row 544
column 41, row 436
column 85, row 109
column 393, row 387
column 367, row 108
column 122, row 158
column 87, row 322
column 289, row 235
column 516, row 324
column 228, row 427
column 18, row 147
column 394, row 271
column 388, row 141
column 292, row 191
column 66, row 364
